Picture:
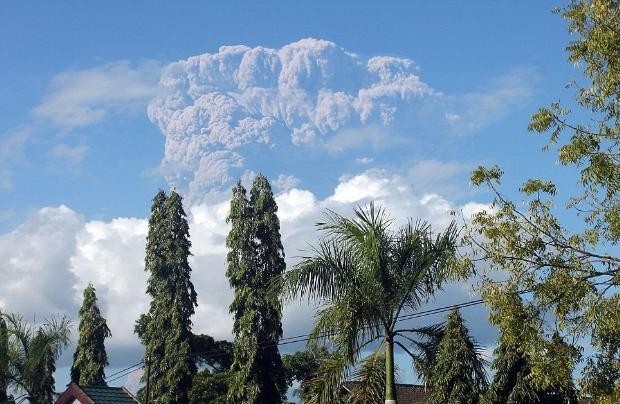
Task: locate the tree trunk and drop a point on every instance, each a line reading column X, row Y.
column 390, row 385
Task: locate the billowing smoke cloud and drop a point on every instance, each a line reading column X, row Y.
column 217, row 110
column 212, row 105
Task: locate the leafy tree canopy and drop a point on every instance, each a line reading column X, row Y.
column 571, row 273
column 4, row 360
column 217, row 355
column 210, row 387
column 513, row 378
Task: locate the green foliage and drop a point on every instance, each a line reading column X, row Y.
column 165, row 330
column 4, row 360
column 217, row 355
column 210, row 387
column 32, row 354
column 324, row 386
column 255, row 258
column 370, row 380
column 602, row 374
column 572, row 274
column 211, row 384
column 303, row 365
column 364, row 276
column 513, row 382
column 90, row 358
column 458, row 374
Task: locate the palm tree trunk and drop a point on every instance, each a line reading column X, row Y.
column 390, row 385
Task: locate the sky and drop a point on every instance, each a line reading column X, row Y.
column 337, row 103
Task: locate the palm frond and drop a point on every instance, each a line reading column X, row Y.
column 424, row 347
column 364, row 275
column 370, row 380
column 347, row 327
column 33, row 350
column 326, row 275
column 325, row 385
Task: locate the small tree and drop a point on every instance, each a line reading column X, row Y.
column 458, row 375
column 90, row 357
column 209, row 387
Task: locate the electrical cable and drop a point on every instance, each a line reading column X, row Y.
column 307, row 337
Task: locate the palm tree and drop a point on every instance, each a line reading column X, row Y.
column 32, row 355
column 365, row 276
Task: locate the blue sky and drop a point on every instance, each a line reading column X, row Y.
column 445, row 87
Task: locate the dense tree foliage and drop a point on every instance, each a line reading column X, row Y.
column 90, row 357
column 512, row 382
column 4, row 360
column 365, row 276
column 216, row 355
column 566, row 257
column 210, row 387
column 458, row 375
column 301, row 366
column 166, row 330
column 369, row 386
column 33, row 351
column 255, row 258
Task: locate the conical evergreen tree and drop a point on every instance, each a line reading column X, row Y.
column 255, row 258
column 458, row 375
column 512, row 383
column 90, row 358
column 270, row 264
column 165, row 330
column 4, row 360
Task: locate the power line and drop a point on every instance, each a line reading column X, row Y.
column 123, row 375
column 121, row 371
column 306, row 337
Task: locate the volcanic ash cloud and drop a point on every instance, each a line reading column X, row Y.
column 212, row 105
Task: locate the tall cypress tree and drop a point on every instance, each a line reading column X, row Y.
column 512, row 382
column 458, row 375
column 90, row 358
column 255, row 258
column 270, row 264
column 166, row 330
column 4, row 360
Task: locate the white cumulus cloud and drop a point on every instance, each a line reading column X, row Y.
column 48, row 260
column 35, row 262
